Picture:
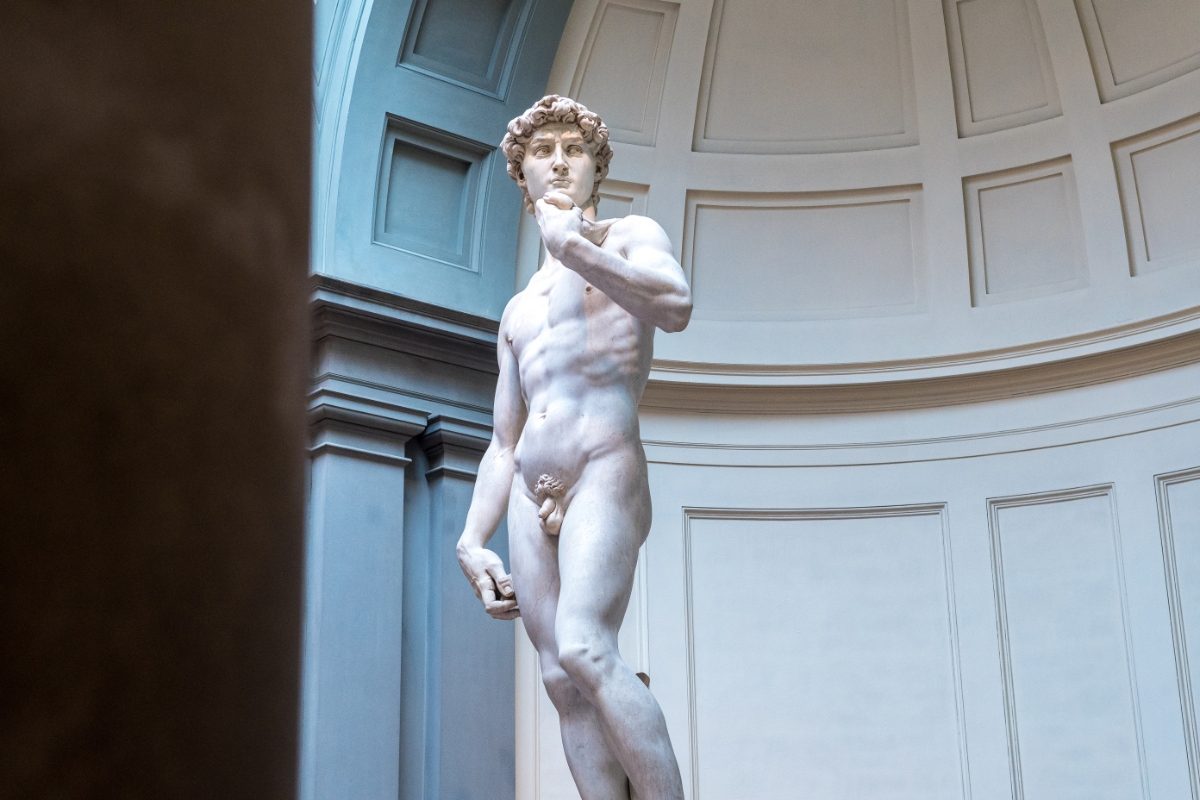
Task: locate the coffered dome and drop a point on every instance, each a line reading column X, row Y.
column 877, row 190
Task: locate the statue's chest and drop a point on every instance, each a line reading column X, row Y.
column 557, row 312
column 572, row 300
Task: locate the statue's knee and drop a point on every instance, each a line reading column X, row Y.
column 585, row 662
column 561, row 689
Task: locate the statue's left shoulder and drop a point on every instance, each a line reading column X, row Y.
column 638, row 231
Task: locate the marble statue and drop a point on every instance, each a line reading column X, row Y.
column 566, row 459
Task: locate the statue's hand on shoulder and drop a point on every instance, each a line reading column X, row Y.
column 492, row 585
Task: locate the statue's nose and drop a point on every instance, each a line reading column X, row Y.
column 560, row 160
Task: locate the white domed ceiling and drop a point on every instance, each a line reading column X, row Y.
column 881, row 187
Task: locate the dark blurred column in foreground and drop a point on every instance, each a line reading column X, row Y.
column 153, row 250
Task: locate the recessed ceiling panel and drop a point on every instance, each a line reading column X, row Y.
column 1136, row 45
column 801, row 76
column 624, row 63
column 767, row 257
column 1159, row 175
column 1000, row 64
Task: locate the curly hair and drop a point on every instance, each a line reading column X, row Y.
column 549, row 110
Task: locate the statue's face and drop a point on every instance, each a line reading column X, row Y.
column 558, row 159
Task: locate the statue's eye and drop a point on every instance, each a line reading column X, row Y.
column 575, row 150
column 541, row 150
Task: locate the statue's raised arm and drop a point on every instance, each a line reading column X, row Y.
column 636, row 269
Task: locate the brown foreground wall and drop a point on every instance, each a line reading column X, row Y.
column 154, row 187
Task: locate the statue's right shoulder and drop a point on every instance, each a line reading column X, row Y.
column 511, row 317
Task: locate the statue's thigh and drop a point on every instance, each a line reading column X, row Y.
column 534, row 559
column 605, row 526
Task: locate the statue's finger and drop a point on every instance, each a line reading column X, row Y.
column 485, row 588
column 509, row 611
column 498, row 607
column 502, row 580
column 560, row 200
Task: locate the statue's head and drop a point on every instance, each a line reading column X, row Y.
column 553, row 110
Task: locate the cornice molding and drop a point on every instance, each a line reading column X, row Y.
column 359, row 452
column 454, row 447
column 350, row 423
column 384, row 319
column 892, row 393
column 1158, row 329
column 328, row 402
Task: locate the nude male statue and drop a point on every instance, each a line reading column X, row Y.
column 566, row 458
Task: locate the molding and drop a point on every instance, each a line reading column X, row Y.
column 1155, row 329
column 329, row 403
column 1187, row 702
column 454, row 447
column 332, row 448
column 913, row 390
column 404, row 398
column 930, row 448
column 380, row 318
column 384, row 319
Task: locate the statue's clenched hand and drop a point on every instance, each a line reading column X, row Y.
column 557, row 217
column 492, row 585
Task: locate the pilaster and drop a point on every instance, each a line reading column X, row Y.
column 354, row 593
column 470, row 677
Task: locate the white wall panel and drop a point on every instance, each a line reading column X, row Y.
column 822, row 657
column 1159, row 174
column 1179, row 519
column 773, row 84
column 788, row 257
column 1065, row 644
column 1000, row 64
column 624, row 63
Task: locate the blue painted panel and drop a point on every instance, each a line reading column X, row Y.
column 469, row 42
column 428, row 191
